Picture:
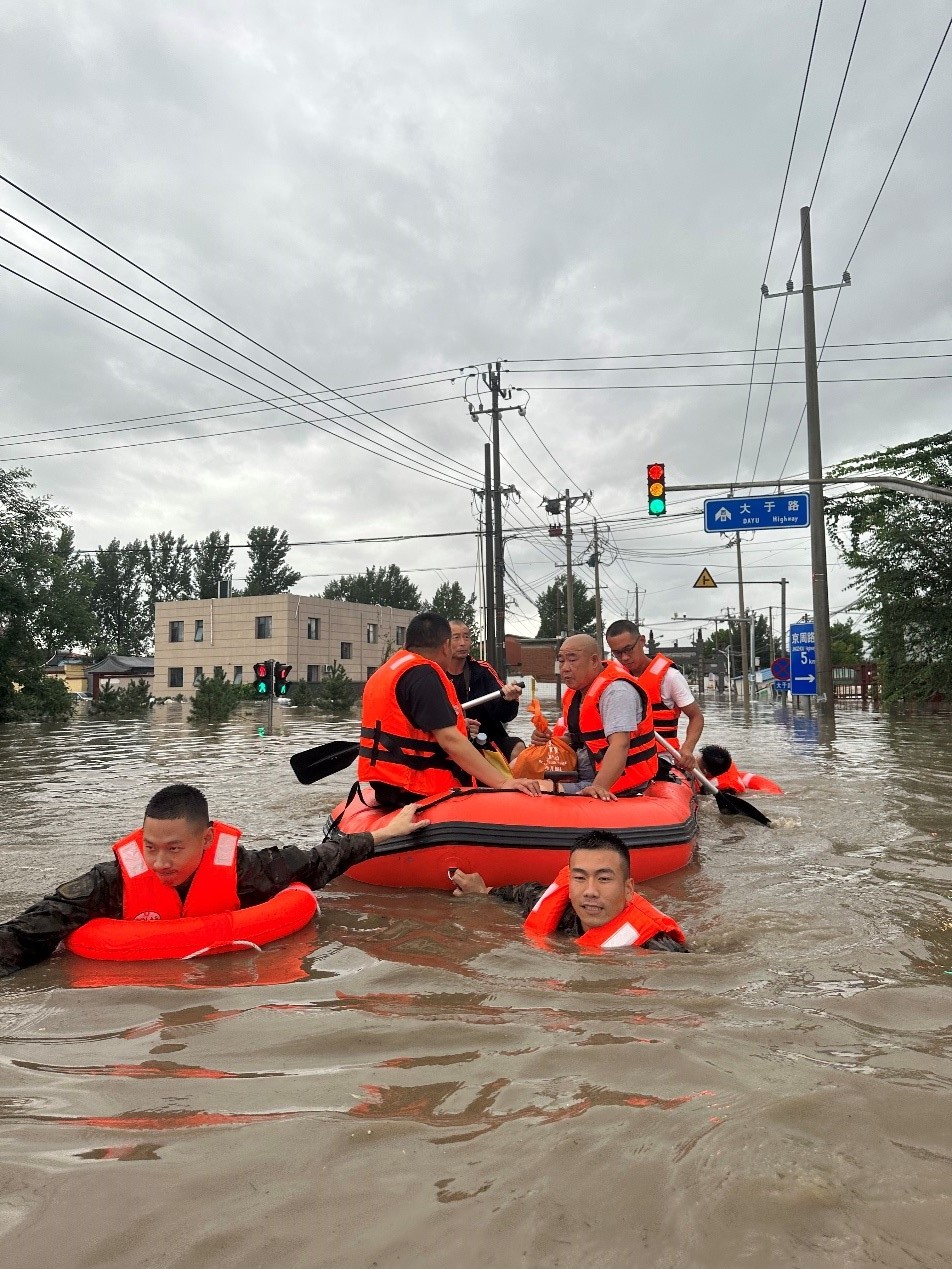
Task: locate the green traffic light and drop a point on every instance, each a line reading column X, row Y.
column 656, row 507
column 262, row 689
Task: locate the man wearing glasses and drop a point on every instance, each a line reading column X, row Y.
column 667, row 689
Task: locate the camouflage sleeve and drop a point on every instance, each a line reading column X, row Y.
column 262, row 873
column 523, row 896
column 34, row 935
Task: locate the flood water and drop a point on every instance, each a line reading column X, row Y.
column 410, row 1083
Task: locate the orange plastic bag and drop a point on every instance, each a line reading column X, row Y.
column 555, row 754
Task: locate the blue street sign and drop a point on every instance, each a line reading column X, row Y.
column 802, row 660
column 775, row 511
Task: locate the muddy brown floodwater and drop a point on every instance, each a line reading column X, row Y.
column 410, row 1083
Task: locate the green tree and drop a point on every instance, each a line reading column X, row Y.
column 168, row 567
column 450, row 599
column 215, row 699
column 335, row 693
column 119, row 599
column 897, row 544
column 847, row 643
column 38, row 571
column 552, row 614
column 388, row 587
column 268, row 573
column 123, row 702
column 212, row 562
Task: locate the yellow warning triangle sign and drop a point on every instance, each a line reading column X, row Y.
column 705, row 581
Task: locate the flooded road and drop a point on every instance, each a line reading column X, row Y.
column 410, row 1083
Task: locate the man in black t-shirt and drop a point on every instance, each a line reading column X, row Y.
column 473, row 679
column 425, row 699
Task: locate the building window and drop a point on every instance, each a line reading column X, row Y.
column 370, row 670
column 197, row 676
column 176, row 676
column 400, row 634
column 199, row 630
column 346, row 651
column 314, row 627
column 219, row 671
column 313, row 674
column 262, row 627
column 176, row 632
column 237, row 677
column 371, row 632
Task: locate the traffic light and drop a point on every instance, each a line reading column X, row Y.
column 262, row 678
column 281, row 684
column 657, row 490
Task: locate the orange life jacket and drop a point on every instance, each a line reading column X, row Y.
column 665, row 716
column 213, row 889
column 641, row 763
column 392, row 750
column 637, row 922
column 735, row 781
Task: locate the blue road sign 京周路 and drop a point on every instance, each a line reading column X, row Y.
column 803, row 659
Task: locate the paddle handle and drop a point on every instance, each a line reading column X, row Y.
column 481, row 700
column 698, row 775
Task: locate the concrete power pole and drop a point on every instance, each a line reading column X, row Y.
column 821, row 594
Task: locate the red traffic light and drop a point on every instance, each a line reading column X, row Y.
column 656, row 471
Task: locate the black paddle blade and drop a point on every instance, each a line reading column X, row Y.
column 311, row 765
column 730, row 804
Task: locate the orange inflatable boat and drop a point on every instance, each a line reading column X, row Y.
column 509, row 837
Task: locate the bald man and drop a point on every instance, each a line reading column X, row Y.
column 606, row 718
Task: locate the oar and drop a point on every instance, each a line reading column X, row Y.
column 727, row 802
column 311, row 765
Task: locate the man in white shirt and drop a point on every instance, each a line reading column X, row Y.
column 667, row 689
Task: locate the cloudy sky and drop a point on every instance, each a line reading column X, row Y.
column 385, row 196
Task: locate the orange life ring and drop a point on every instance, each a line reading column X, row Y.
column 106, row 939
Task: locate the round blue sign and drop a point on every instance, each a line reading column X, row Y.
column 780, row 669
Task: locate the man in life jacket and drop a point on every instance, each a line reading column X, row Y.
column 413, row 738
column 592, row 900
column 667, row 689
column 717, row 764
column 182, row 864
column 607, row 720
column 472, row 679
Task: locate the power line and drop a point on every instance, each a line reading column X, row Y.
column 899, row 146
column 447, row 479
column 193, row 303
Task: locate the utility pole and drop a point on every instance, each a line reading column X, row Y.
column 821, row 595
column 490, row 615
column 744, row 661
column 554, row 507
column 599, row 633
column 569, row 581
column 495, row 563
column 499, row 660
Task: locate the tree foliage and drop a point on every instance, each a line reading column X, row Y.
column 897, row 543
column 42, row 603
column 450, row 600
column 552, row 612
column 212, row 562
column 215, row 699
column 847, row 643
column 388, row 587
column 168, row 567
column 119, row 599
column 268, row 573
column 335, row 693
column 123, row 702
